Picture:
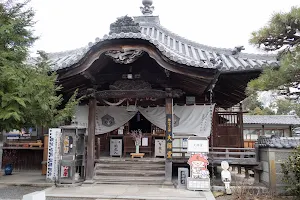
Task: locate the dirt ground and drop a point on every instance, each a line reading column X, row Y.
column 233, row 197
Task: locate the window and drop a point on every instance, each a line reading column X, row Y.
column 274, row 132
column 252, row 134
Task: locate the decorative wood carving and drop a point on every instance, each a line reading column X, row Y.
column 177, row 93
column 125, row 56
column 120, row 94
column 130, row 85
column 124, row 24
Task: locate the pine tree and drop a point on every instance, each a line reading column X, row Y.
column 280, row 35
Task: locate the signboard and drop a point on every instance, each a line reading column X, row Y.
column 198, row 145
column 190, row 100
column 169, row 132
column 183, row 174
column 145, row 142
column 23, row 134
column 53, row 153
column 199, row 179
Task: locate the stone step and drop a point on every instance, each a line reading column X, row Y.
column 125, row 179
column 99, row 166
column 129, row 172
column 130, row 161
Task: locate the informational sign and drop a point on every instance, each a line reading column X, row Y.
column 64, row 171
column 53, row 153
column 144, row 142
column 183, row 174
column 190, row 100
column 199, row 178
column 169, row 132
column 198, row 145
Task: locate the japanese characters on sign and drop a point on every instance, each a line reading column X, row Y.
column 198, row 145
column 53, row 153
column 64, row 171
column 199, row 177
column 169, row 135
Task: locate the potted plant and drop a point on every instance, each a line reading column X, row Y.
column 9, row 158
column 137, row 137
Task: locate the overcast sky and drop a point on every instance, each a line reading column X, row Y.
column 69, row 24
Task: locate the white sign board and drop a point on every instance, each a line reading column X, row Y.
column 144, row 142
column 198, row 145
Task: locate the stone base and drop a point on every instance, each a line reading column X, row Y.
column 198, row 184
column 89, row 182
column 137, row 155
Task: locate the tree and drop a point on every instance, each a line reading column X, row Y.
column 280, row 35
column 255, row 107
column 291, row 172
column 28, row 92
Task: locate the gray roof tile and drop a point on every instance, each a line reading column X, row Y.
column 271, row 119
column 177, row 49
column 280, row 143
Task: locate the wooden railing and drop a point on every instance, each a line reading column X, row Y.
column 234, row 156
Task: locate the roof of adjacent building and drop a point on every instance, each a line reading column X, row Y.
column 279, row 143
column 271, row 119
column 176, row 48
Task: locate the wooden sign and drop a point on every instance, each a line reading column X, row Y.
column 169, row 135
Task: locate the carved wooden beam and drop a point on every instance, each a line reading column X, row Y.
column 164, row 62
column 120, row 94
column 89, row 76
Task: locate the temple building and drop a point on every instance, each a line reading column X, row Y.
column 143, row 78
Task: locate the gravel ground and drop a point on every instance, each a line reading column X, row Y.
column 16, row 192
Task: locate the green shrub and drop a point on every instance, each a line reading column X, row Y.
column 291, row 171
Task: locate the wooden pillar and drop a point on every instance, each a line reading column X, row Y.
column 169, row 139
column 45, row 155
column 91, row 140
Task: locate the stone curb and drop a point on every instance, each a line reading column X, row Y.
column 27, row 184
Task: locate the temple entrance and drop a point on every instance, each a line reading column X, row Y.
column 139, row 122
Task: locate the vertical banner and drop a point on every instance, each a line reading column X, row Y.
column 53, row 153
column 169, row 132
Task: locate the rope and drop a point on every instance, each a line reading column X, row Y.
column 114, row 104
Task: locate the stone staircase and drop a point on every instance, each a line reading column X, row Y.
column 145, row 171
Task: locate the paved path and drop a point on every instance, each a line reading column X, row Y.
column 16, row 192
column 144, row 192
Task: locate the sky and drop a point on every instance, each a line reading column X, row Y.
column 69, row 24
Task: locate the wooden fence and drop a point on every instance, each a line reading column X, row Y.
column 23, row 158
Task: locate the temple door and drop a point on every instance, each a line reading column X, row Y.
column 228, row 130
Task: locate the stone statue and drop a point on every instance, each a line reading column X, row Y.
column 226, row 176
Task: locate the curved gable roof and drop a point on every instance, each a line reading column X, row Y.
column 176, row 48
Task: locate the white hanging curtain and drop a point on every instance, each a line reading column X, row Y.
column 108, row 118
column 193, row 119
column 155, row 115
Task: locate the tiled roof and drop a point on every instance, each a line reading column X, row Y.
column 176, row 48
column 271, row 119
column 286, row 143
